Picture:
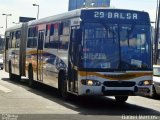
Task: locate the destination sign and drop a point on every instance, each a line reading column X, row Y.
column 115, row 15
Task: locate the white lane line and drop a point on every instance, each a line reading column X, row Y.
column 4, row 89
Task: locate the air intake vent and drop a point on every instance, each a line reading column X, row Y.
column 119, row 84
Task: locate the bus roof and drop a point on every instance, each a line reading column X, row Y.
column 74, row 14
column 70, row 14
column 14, row 27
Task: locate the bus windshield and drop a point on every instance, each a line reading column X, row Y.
column 116, row 46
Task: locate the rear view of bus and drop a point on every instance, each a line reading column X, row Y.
column 113, row 53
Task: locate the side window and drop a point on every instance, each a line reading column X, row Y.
column 57, row 35
column 51, row 29
column 52, row 36
column 56, row 29
column 10, row 41
column 156, row 71
column 13, row 39
column 55, row 38
column 7, row 37
column 2, row 43
column 32, row 37
column 49, row 33
column 29, row 39
column 60, row 28
column 64, row 35
column 40, row 40
column 17, row 35
column 63, row 43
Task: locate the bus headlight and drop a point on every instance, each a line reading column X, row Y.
column 91, row 82
column 145, row 83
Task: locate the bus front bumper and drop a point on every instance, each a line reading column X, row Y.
column 129, row 91
column 116, row 91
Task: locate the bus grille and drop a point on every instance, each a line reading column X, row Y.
column 119, row 84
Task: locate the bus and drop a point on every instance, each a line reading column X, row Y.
column 85, row 52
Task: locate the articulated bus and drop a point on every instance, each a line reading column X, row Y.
column 86, row 52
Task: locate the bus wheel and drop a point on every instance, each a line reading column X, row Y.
column 63, row 85
column 121, row 99
column 30, row 75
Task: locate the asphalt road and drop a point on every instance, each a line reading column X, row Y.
column 19, row 102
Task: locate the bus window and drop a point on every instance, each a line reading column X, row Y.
column 7, row 34
column 76, row 35
column 60, row 28
column 47, row 40
column 32, row 32
column 40, row 40
column 32, row 43
column 64, row 37
column 18, row 34
column 32, row 38
column 54, row 44
column 13, row 39
column 52, row 29
column 10, row 43
column 66, row 28
column 63, row 43
column 54, row 39
column 56, row 29
column 6, row 44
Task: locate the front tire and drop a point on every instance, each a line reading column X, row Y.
column 121, row 99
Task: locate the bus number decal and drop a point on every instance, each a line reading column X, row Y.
column 99, row 14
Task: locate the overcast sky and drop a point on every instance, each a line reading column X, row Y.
column 51, row 7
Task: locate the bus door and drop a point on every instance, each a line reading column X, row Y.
column 41, row 36
column 74, row 50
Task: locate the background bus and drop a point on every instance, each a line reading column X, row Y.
column 84, row 52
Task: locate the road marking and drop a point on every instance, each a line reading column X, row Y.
column 4, row 89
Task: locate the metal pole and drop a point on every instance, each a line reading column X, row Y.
column 6, row 21
column 156, row 55
column 38, row 12
column 38, row 9
column 7, row 17
column 84, row 3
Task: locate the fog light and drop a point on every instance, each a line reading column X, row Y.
column 145, row 83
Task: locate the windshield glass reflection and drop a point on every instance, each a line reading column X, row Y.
column 116, row 46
